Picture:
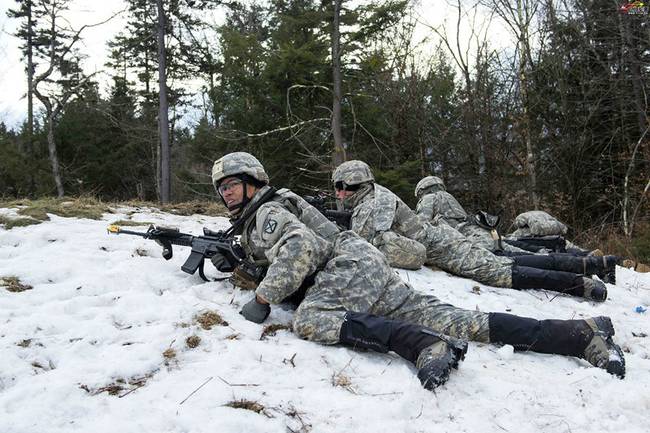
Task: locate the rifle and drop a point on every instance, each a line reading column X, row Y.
column 207, row 246
column 556, row 244
column 341, row 218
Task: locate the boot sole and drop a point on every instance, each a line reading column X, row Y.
column 616, row 367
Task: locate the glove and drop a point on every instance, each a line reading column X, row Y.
column 243, row 279
column 255, row 311
column 222, row 263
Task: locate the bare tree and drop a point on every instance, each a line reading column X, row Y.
column 62, row 79
column 518, row 16
column 339, row 150
column 164, row 166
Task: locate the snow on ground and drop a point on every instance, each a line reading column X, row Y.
column 104, row 309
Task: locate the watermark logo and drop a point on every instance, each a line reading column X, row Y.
column 635, row 8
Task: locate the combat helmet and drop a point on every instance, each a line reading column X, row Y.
column 427, row 184
column 237, row 164
column 243, row 166
column 353, row 172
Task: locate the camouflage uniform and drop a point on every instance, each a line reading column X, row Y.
column 434, row 200
column 377, row 211
column 540, row 223
column 350, row 275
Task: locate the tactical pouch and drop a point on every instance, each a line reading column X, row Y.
column 246, row 277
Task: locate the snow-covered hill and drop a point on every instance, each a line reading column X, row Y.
column 100, row 344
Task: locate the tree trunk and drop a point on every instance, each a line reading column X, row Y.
column 54, row 159
column 163, row 120
column 30, row 96
column 339, row 150
column 524, row 49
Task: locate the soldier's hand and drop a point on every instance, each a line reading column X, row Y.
column 222, row 263
column 255, row 311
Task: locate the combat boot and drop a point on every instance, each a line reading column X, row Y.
column 436, row 361
column 591, row 289
column 589, row 339
column 433, row 354
column 607, row 271
column 524, row 277
column 601, row 351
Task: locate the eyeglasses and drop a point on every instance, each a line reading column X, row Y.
column 342, row 186
column 228, row 186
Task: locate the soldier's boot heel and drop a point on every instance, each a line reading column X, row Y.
column 434, row 354
column 436, row 361
column 601, row 351
column 590, row 289
column 608, row 273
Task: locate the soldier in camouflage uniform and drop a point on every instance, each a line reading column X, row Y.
column 434, row 200
column 538, row 223
column 354, row 297
column 380, row 217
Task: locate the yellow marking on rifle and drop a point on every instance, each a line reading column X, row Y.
column 113, row 229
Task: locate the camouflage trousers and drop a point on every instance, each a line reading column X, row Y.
column 359, row 279
column 449, row 250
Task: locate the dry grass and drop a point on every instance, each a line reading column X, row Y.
column 10, row 223
column 210, row 318
column 25, row 343
column 131, row 223
column 14, row 285
column 246, row 404
column 119, row 385
column 208, row 208
column 81, row 207
column 272, row 329
column 169, row 353
column 193, row 341
column 611, row 241
column 93, row 208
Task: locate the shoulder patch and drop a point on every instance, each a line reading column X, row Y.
column 270, row 225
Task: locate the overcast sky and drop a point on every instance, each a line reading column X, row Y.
column 13, row 105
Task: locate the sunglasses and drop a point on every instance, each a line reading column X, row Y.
column 342, row 186
column 228, row 186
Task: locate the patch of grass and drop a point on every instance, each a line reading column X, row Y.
column 131, row 223
column 81, row 207
column 10, row 223
column 169, row 353
column 246, row 404
column 140, row 252
column 210, row 318
column 196, row 207
column 25, row 343
column 119, row 385
column 14, row 285
column 193, row 341
column 272, row 329
column 611, row 241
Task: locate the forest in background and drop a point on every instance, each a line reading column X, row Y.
column 557, row 122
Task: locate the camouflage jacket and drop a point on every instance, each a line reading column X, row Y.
column 384, row 220
column 445, row 206
column 276, row 238
column 376, row 208
column 537, row 223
